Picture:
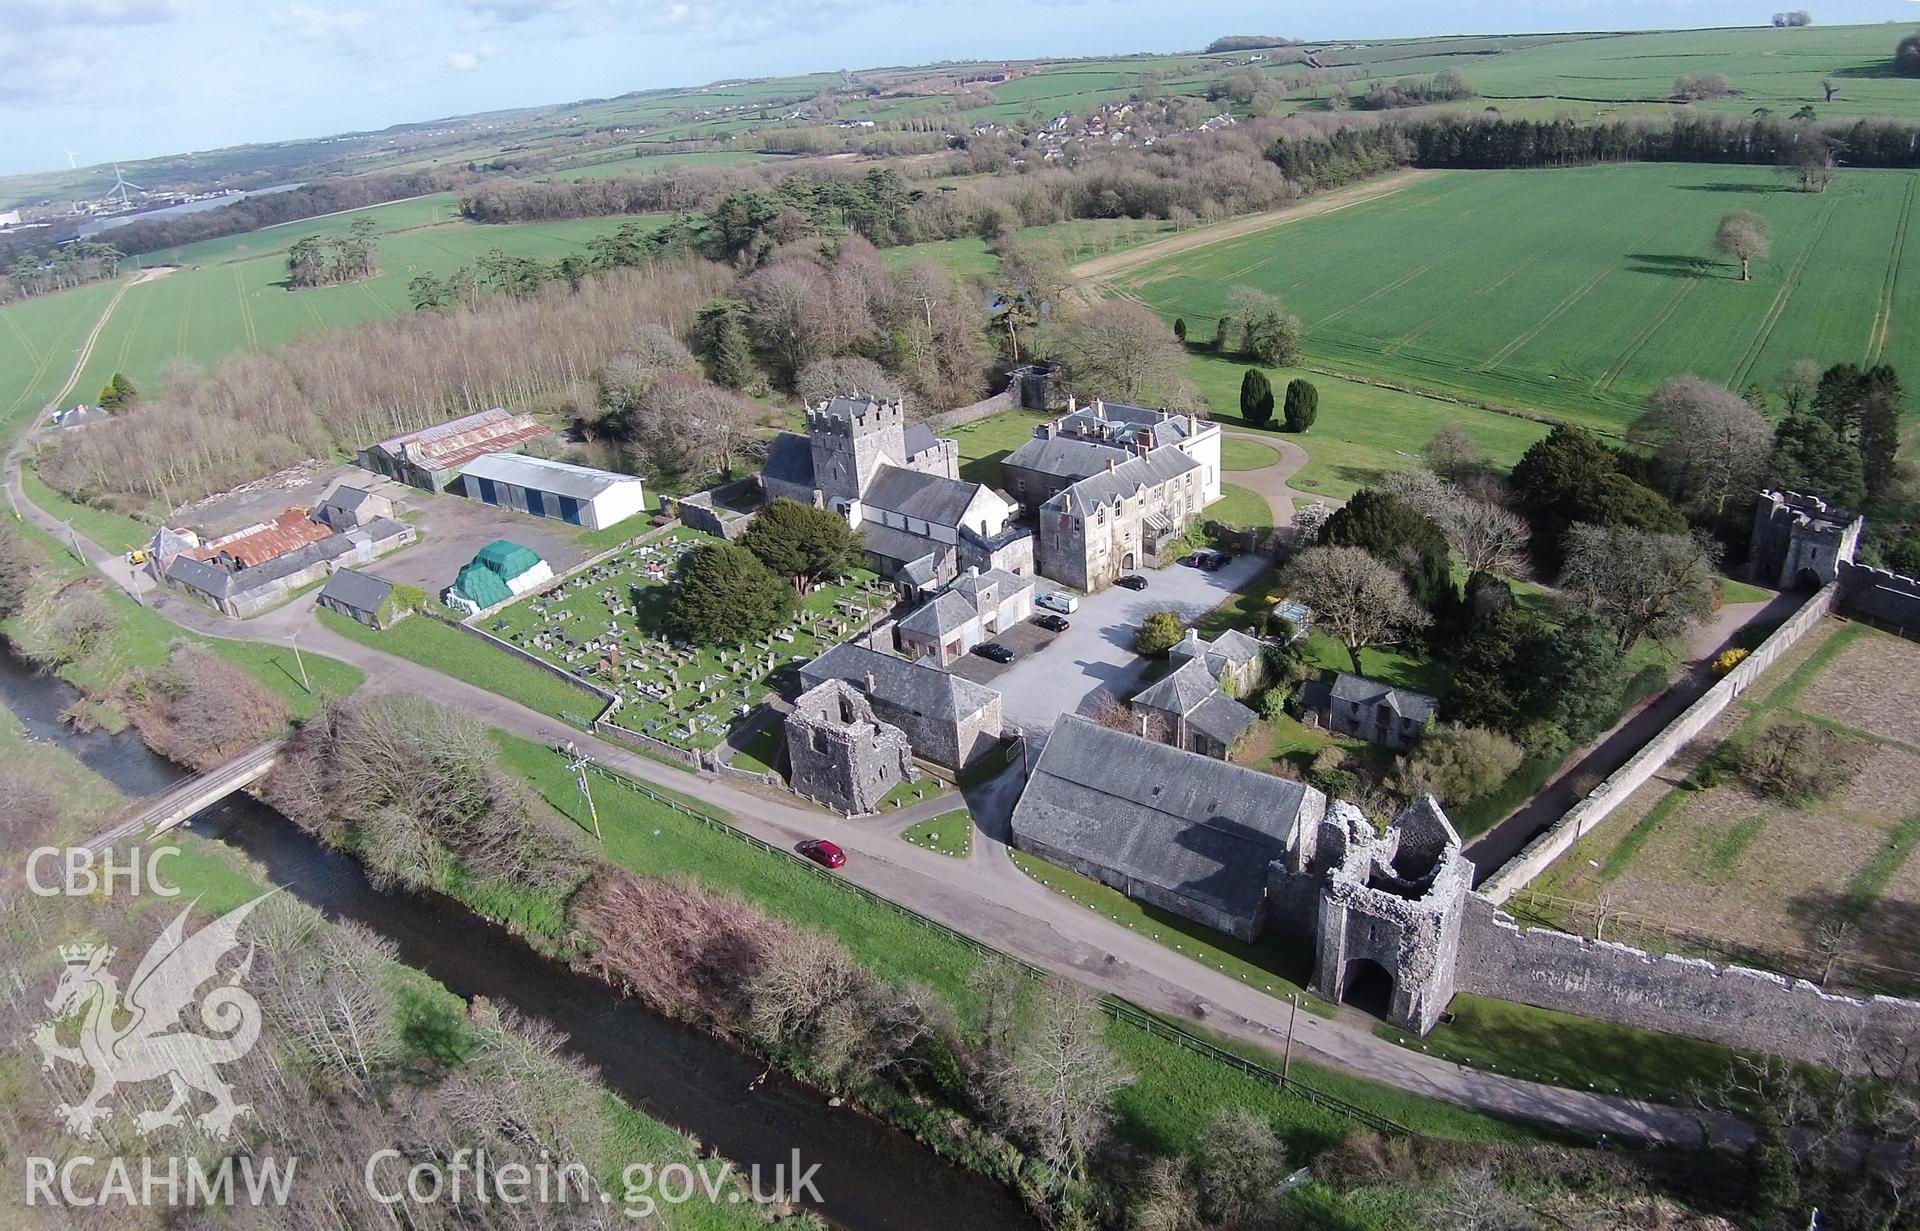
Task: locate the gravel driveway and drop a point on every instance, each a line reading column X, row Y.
column 1097, row 652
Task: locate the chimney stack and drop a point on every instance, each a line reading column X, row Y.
column 1070, row 404
column 1099, row 408
column 1111, row 466
column 869, row 683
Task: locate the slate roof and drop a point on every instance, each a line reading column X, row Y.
column 359, row 591
column 217, row 581
column 931, row 498
column 347, row 498
column 543, row 475
column 1221, row 718
column 1004, row 584
column 944, row 613
column 890, row 543
column 1129, row 423
column 1065, row 456
column 845, row 406
column 919, row 439
column 1238, row 647
column 925, row 691
column 1197, row 827
column 790, row 459
column 1416, row 706
column 1182, row 690
column 1111, row 486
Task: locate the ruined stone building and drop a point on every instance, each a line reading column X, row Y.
column 1250, row 854
column 841, row 755
column 950, row 721
column 900, row 487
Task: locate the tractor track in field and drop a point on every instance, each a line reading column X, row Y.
column 1454, row 310
column 246, row 310
column 1641, row 340
column 26, row 343
column 1546, row 321
column 1778, row 308
column 1883, row 319
column 1387, row 289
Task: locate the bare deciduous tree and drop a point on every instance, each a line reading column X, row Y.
column 1744, row 236
column 1648, row 584
column 1713, row 444
column 1487, row 537
column 1052, row 1087
column 1354, row 596
column 1120, row 350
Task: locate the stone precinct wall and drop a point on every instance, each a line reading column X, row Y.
column 1751, row 1009
column 1597, row 806
column 1881, row 597
column 985, row 408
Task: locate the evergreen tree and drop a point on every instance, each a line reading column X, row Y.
column 1180, row 329
column 725, row 595
column 1862, row 405
column 1303, row 404
column 720, row 337
column 1256, row 398
column 118, row 394
column 803, row 543
column 1810, row 457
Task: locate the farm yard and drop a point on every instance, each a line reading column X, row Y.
column 608, row 624
column 1576, row 291
column 1708, row 863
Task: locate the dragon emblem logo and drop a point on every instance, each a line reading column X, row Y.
column 144, row 1038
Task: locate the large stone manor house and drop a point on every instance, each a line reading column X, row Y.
column 1110, row 485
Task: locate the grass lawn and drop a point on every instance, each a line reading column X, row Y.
column 1176, row 1091
column 1240, row 506
column 110, row 530
column 1270, row 965
column 1579, row 1053
column 1364, row 431
column 762, row 749
column 908, row 794
column 1239, row 454
column 1732, row 591
column 950, row 833
column 449, row 651
column 1388, row 664
column 595, row 541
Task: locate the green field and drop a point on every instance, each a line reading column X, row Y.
column 1576, row 292
column 230, row 295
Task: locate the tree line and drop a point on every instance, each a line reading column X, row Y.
column 59, row 268
column 1483, row 142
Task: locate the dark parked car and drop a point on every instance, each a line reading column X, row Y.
column 826, row 854
column 1198, row 559
column 994, row 651
column 1052, row 623
column 1215, row 561
column 1132, row 581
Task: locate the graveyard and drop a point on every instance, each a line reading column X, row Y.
column 607, row 624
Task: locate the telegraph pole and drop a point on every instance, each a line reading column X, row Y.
column 578, row 762
column 1286, row 1058
column 293, row 639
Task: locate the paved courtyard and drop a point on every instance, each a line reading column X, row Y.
column 452, row 528
column 1097, row 652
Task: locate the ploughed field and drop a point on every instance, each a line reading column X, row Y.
column 1703, row 863
column 1578, row 291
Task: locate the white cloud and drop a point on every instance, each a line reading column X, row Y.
column 45, row 14
column 467, row 61
column 349, row 30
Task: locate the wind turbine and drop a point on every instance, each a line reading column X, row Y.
column 71, row 164
column 119, row 190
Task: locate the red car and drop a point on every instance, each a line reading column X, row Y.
column 826, row 854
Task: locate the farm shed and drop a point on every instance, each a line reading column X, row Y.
column 577, row 495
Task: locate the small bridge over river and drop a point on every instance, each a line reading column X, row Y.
column 182, row 800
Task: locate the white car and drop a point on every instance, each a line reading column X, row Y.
column 1058, row 600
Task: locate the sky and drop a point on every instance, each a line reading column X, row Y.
column 110, row 80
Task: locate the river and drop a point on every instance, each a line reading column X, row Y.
column 871, row 1177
